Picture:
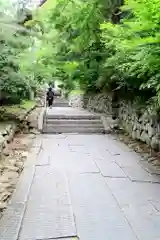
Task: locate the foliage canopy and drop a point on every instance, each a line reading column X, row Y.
column 92, row 45
column 98, row 45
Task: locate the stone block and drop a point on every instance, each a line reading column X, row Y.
column 144, row 137
column 151, row 131
column 1, row 142
column 134, row 135
column 138, row 134
column 155, row 143
column 110, row 169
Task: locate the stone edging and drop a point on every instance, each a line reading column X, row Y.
column 40, row 119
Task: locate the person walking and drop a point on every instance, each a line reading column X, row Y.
column 50, row 97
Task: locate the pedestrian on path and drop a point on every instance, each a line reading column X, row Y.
column 50, row 97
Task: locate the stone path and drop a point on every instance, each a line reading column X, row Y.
column 83, row 187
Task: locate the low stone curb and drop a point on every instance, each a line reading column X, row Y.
column 40, row 119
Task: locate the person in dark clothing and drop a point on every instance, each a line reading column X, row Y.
column 50, row 97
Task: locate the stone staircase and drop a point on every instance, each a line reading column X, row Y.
column 64, row 119
column 59, row 102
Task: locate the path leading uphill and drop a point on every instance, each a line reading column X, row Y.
column 86, row 187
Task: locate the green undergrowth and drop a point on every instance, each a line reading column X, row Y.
column 76, row 92
column 11, row 112
column 27, row 104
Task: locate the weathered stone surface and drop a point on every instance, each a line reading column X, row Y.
column 1, row 142
column 97, row 213
column 138, row 174
column 11, row 222
column 134, row 135
column 138, row 202
column 127, row 159
column 76, row 101
column 43, row 158
column 49, row 213
column 23, row 187
column 110, row 169
column 144, row 137
column 155, row 143
column 151, row 131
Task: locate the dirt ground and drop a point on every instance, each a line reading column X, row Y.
column 12, row 165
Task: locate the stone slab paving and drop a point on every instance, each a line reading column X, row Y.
column 11, row 221
column 81, row 163
column 111, row 169
column 137, row 200
column 43, row 158
column 83, row 187
column 97, row 214
column 49, row 212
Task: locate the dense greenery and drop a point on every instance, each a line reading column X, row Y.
column 98, row 45
column 17, row 58
column 92, row 45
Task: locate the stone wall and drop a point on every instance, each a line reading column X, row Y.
column 141, row 123
column 98, row 103
column 76, row 101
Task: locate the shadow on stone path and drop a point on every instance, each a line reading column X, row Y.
column 86, row 187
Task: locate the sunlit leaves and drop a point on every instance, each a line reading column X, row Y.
column 133, row 47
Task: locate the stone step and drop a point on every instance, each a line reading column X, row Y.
column 52, row 130
column 73, row 126
column 77, row 117
column 73, row 121
column 57, row 104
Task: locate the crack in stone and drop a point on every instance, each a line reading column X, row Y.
column 61, row 238
column 41, row 165
column 145, row 181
